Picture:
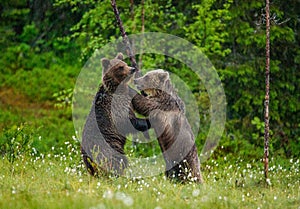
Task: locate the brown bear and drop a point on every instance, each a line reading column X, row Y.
column 166, row 113
column 111, row 118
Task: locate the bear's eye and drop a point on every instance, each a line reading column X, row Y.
column 121, row 68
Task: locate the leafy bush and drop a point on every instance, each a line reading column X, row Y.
column 42, row 83
column 63, row 98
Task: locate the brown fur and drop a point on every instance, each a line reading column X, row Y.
column 165, row 110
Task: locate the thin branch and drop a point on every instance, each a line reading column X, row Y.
column 267, row 97
column 132, row 13
column 125, row 37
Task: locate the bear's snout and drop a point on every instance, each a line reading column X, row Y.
column 132, row 70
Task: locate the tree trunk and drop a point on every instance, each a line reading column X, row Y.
column 143, row 30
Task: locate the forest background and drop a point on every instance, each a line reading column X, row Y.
column 45, row 44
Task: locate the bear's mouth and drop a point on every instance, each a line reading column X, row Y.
column 144, row 93
column 148, row 92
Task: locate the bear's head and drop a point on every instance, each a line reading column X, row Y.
column 153, row 82
column 115, row 72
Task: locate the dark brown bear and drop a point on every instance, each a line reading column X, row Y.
column 165, row 110
column 111, row 118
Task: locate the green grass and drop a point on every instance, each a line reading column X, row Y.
column 61, row 181
column 41, row 167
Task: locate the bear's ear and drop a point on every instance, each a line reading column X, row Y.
column 163, row 76
column 120, row 56
column 105, row 65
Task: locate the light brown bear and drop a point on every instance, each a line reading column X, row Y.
column 111, row 118
column 166, row 113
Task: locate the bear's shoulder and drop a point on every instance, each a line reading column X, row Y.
column 103, row 96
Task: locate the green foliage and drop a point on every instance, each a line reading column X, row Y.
column 207, row 30
column 16, row 142
column 36, row 83
column 63, row 98
column 29, row 33
column 94, row 27
column 243, row 72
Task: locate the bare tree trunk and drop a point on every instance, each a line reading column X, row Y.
column 132, row 14
column 125, row 37
column 267, row 97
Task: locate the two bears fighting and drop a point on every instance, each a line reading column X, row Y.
column 112, row 117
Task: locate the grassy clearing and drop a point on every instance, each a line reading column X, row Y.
column 47, row 172
column 60, row 181
column 48, row 126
